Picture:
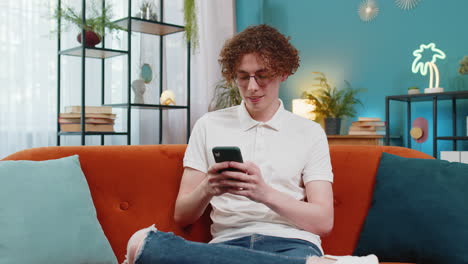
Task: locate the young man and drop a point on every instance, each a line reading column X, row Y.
column 272, row 208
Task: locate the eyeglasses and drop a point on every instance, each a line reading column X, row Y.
column 242, row 80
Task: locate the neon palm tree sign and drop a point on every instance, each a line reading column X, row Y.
column 423, row 66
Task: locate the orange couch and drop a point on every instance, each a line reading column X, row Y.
column 135, row 186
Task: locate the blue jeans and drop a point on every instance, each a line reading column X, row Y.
column 166, row 248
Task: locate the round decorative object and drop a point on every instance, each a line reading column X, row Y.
column 416, row 132
column 407, row 4
column 419, row 131
column 146, row 73
column 368, row 10
column 92, row 38
column 167, row 98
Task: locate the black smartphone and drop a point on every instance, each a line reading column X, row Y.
column 227, row 153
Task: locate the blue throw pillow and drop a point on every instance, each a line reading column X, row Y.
column 419, row 212
column 47, row 215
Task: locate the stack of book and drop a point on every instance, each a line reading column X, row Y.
column 367, row 126
column 97, row 119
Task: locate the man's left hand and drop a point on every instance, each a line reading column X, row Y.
column 247, row 181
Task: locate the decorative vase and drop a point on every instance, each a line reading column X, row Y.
column 139, row 89
column 332, row 125
column 92, row 38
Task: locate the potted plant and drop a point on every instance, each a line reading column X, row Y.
column 98, row 18
column 331, row 103
column 463, row 66
column 225, row 95
column 147, row 11
column 413, row 90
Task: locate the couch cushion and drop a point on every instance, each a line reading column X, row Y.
column 132, row 187
column 47, row 214
column 355, row 168
column 418, row 212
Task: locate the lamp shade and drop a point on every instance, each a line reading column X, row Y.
column 304, row 108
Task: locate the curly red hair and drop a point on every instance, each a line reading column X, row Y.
column 272, row 47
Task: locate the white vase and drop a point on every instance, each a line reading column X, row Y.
column 139, row 89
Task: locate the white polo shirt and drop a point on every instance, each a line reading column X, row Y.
column 289, row 150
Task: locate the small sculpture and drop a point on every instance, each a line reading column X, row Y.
column 167, row 98
column 139, row 89
column 146, row 73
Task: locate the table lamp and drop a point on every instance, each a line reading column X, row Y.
column 304, row 108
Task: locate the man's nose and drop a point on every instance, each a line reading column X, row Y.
column 253, row 85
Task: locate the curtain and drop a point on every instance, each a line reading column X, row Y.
column 27, row 76
column 216, row 22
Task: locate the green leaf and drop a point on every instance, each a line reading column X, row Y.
column 330, row 101
column 98, row 18
column 225, row 95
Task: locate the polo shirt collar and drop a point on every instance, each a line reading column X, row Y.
column 247, row 122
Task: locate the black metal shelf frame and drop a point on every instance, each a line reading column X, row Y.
column 434, row 97
column 135, row 24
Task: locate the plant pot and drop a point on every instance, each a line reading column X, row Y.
column 332, row 125
column 92, row 38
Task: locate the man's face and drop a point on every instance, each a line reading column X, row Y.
column 260, row 93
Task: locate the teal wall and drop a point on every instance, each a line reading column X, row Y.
column 376, row 55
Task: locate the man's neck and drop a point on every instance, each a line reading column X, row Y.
column 265, row 116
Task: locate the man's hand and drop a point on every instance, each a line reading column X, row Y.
column 213, row 182
column 247, row 181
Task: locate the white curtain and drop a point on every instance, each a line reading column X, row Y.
column 28, row 75
column 216, row 22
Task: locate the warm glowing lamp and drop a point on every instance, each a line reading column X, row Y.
column 422, row 66
column 304, row 108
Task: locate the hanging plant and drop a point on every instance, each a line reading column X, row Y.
column 190, row 20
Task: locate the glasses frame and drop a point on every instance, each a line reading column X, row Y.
column 261, row 83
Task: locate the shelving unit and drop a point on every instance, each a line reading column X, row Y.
column 435, row 98
column 131, row 24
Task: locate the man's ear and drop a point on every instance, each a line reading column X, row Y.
column 284, row 77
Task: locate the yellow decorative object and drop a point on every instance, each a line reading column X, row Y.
column 416, row 133
column 167, row 98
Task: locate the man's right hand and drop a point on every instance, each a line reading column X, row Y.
column 212, row 183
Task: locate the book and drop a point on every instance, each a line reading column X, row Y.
column 89, row 109
column 369, row 119
column 364, row 133
column 90, row 120
column 87, row 115
column 368, row 123
column 366, row 128
column 88, row 128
